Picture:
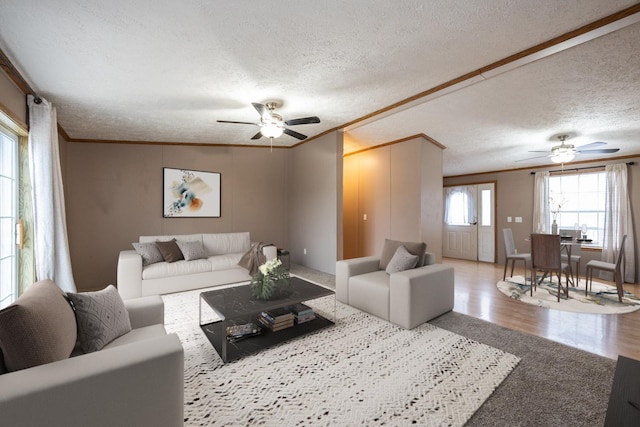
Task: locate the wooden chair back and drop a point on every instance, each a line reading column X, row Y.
column 545, row 252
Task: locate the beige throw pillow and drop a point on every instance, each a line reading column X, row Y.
column 38, row 328
column 391, row 246
column 402, row 260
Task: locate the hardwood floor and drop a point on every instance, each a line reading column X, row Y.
column 608, row 335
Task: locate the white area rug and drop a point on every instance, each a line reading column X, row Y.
column 362, row 371
column 602, row 299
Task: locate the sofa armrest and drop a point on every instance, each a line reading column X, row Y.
column 145, row 311
column 420, row 294
column 352, row 267
column 138, row 384
column 429, row 258
column 129, row 279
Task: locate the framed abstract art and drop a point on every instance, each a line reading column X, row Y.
column 189, row 193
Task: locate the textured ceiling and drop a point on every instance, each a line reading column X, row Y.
column 166, row 71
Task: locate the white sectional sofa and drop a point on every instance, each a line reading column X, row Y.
column 135, row 380
column 223, row 251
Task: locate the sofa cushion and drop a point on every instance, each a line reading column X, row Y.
column 192, row 250
column 226, row 243
column 149, row 253
column 101, row 317
column 38, row 328
column 370, row 292
column 179, row 268
column 402, row 260
column 390, row 247
column 222, row 262
column 170, row 251
column 139, row 334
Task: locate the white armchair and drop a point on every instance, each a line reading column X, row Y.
column 407, row 298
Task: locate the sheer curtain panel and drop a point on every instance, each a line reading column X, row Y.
column 541, row 212
column 52, row 257
column 618, row 220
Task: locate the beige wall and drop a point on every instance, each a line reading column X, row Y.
column 114, row 194
column 12, row 98
column 315, row 187
column 399, row 189
column 514, row 196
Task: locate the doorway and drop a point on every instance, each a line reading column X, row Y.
column 469, row 222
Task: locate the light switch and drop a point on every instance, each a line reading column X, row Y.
column 364, row 217
column 509, row 219
column 518, row 219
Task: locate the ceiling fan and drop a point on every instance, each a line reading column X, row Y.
column 564, row 153
column 272, row 125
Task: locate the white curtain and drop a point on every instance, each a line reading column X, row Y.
column 618, row 220
column 52, row 257
column 465, row 214
column 541, row 203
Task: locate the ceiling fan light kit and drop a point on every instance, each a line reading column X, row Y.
column 272, row 125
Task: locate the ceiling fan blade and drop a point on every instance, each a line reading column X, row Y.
column 294, row 134
column 302, row 121
column 591, row 145
column 257, row 135
column 262, row 110
column 538, row 151
column 600, row 151
column 240, row 123
column 531, row 158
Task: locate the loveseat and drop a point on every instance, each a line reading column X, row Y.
column 210, row 259
column 406, row 294
column 137, row 379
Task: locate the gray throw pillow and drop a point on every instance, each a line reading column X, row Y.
column 101, row 317
column 402, row 260
column 149, row 253
column 192, row 250
column 391, row 246
column 170, row 251
column 38, row 328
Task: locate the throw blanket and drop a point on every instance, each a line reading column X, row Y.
column 254, row 257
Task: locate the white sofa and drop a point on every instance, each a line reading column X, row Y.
column 136, row 380
column 223, row 251
column 405, row 298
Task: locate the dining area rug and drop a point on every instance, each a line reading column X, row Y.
column 601, row 298
column 362, row 371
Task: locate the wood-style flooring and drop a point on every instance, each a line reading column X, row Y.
column 608, row 335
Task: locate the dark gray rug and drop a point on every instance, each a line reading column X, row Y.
column 554, row 385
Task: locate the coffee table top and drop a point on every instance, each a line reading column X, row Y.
column 238, row 301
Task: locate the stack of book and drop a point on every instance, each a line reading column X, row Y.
column 237, row 333
column 301, row 313
column 277, row 319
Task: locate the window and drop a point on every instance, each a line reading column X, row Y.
column 8, row 216
column 457, row 208
column 582, row 201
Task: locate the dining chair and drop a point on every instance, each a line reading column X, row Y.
column 616, row 269
column 512, row 255
column 545, row 257
column 575, row 250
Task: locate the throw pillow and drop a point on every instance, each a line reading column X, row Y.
column 192, row 250
column 149, row 253
column 391, row 246
column 402, row 260
column 170, row 250
column 38, row 328
column 101, row 317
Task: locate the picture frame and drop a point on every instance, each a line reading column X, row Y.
column 190, row 193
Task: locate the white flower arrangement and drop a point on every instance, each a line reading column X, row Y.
column 270, row 275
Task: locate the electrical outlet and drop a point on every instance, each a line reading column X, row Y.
column 304, row 251
column 364, row 217
column 509, row 219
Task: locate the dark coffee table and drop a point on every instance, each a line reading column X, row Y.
column 235, row 306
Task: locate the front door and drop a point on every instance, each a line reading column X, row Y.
column 469, row 228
